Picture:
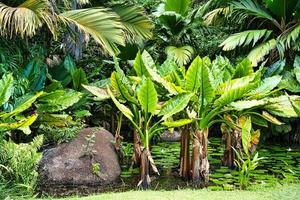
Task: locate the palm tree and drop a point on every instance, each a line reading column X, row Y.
column 108, row 28
column 278, row 25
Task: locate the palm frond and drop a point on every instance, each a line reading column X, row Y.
column 250, row 7
column 213, row 16
column 135, row 22
column 25, row 19
column 182, row 55
column 292, row 36
column 102, row 24
column 244, row 38
column 259, row 52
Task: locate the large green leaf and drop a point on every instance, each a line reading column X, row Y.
column 147, row 96
column 175, row 105
column 245, row 123
column 139, row 66
column 121, row 87
column 284, row 9
column 179, row 6
column 282, row 106
column 244, row 68
column 100, row 93
column 178, row 123
column 22, row 124
column 6, row 88
column 23, row 104
column 234, row 89
column 79, row 78
column 193, row 75
column 266, row 86
column 126, row 111
column 58, row 100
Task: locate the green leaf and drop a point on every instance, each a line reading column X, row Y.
column 282, row 106
column 103, row 25
column 23, row 104
column 126, row 111
column 175, row 105
column 121, row 87
column 182, row 55
column 58, row 100
column 244, row 38
column 147, row 96
column 100, row 93
column 178, row 123
column 179, row 6
column 266, row 86
column 139, row 66
column 259, row 52
column 246, row 126
column 79, row 78
column 244, row 68
column 193, row 75
column 234, row 89
column 22, row 125
column 6, row 85
column 271, row 118
column 57, row 120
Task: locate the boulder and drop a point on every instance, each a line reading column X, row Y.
column 170, row 136
column 89, row 160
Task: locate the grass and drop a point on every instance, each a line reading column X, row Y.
column 279, row 192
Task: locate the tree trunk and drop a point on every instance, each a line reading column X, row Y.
column 137, row 151
column 145, row 180
column 185, row 153
column 229, row 156
column 200, row 165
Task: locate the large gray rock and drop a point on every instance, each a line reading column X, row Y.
column 89, row 160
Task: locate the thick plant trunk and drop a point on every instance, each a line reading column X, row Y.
column 200, row 165
column 229, row 156
column 137, row 148
column 145, row 180
column 185, row 153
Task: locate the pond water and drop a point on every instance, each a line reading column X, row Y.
column 281, row 164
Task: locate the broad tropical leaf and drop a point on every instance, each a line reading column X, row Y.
column 244, row 68
column 126, row 111
column 100, row 93
column 22, row 125
column 282, row 106
column 178, row 123
column 58, row 101
column 6, row 88
column 266, row 86
column 175, row 105
column 23, row 104
column 245, row 123
column 147, row 96
column 182, row 55
column 179, row 6
column 244, row 38
column 271, row 118
column 234, row 89
column 103, row 25
column 139, row 66
column 57, row 120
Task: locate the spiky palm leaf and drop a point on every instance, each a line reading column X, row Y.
column 181, row 55
column 245, row 38
column 135, row 23
column 100, row 23
column 259, row 52
column 26, row 18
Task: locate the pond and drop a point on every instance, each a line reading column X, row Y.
column 281, row 164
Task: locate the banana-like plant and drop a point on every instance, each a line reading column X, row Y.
column 108, row 28
column 280, row 27
column 137, row 98
column 219, row 88
column 47, row 104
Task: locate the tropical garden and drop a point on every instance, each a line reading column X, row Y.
column 160, row 99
